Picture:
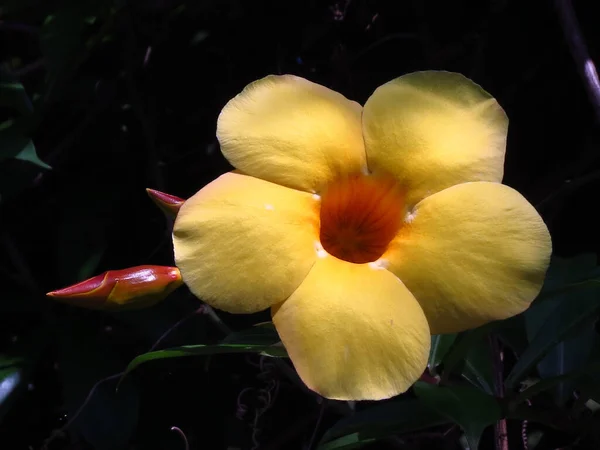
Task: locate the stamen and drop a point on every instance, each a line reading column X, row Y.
column 321, row 253
column 380, row 264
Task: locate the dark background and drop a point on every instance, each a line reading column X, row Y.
column 126, row 95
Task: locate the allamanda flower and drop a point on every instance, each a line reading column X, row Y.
column 364, row 229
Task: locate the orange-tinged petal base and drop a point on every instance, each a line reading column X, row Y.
column 360, row 215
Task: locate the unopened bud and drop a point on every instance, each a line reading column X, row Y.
column 133, row 288
column 169, row 204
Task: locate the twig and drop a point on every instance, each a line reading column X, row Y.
column 200, row 310
column 59, row 431
column 266, row 395
column 579, row 51
column 500, row 430
column 183, row 436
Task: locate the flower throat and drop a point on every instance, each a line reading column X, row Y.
column 360, row 215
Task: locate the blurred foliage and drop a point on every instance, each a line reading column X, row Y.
column 100, row 99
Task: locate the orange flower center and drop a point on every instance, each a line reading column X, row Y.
column 360, row 215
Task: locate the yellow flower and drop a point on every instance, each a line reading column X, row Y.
column 363, row 228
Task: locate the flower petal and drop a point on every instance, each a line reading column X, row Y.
column 354, row 332
column 433, row 130
column 290, row 131
column 243, row 244
column 470, row 254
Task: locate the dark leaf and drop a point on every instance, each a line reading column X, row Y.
column 513, row 334
column 108, row 420
column 16, row 368
column 86, row 357
column 468, row 407
column 16, row 176
column 14, row 145
column 261, row 334
column 203, row 350
column 478, row 366
column 573, row 352
column 466, row 340
column 580, row 377
column 561, row 323
column 564, row 271
column 13, row 95
column 440, row 345
column 62, row 38
column 348, row 442
column 380, row 421
column 12, row 381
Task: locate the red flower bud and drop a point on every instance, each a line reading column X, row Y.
column 169, row 204
column 132, row 288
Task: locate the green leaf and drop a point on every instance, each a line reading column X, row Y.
column 568, row 275
column 440, row 345
column 16, row 368
column 15, row 176
column 562, row 322
column 378, row 422
column 466, row 340
column 61, row 41
column 478, row 366
column 572, row 352
column 27, row 152
column 62, row 38
column 469, row 408
column 198, row 350
column 7, row 362
column 513, row 334
column 86, row 356
column 11, row 383
column 13, row 95
column 564, row 271
column 568, row 355
column 14, row 145
column 349, row 442
column 108, row 421
column 588, row 382
column 260, row 334
column 548, row 383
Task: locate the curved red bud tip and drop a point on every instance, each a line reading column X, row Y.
column 169, row 204
column 133, row 288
